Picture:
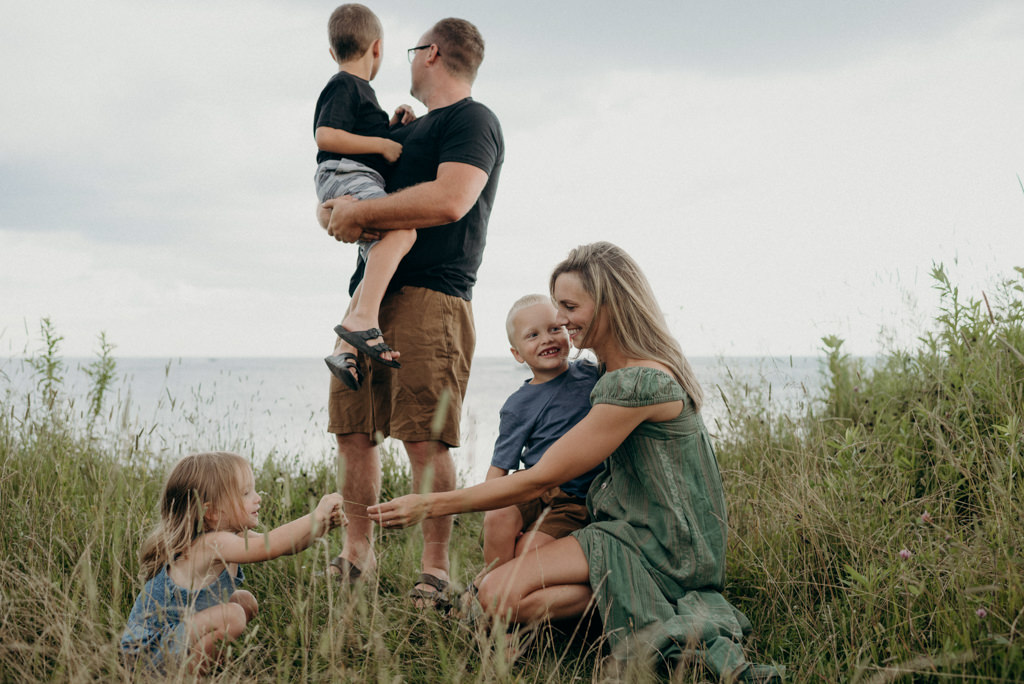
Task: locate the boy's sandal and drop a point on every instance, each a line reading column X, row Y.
column 436, row 596
column 341, row 365
column 467, row 609
column 348, row 572
column 360, row 340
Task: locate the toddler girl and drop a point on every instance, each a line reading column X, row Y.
column 192, row 560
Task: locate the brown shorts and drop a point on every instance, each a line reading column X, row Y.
column 422, row 400
column 567, row 514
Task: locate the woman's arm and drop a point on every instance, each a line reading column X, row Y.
column 580, row 449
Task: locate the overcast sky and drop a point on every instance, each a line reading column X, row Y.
column 782, row 170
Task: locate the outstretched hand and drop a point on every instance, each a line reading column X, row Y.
column 401, row 512
column 330, row 511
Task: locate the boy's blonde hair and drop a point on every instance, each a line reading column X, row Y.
column 351, row 31
column 520, row 304
column 624, row 297
column 460, row 45
column 194, row 482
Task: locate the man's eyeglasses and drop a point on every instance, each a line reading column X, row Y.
column 412, row 51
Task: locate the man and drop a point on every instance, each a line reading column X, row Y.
column 444, row 185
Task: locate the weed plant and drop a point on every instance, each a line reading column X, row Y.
column 876, row 532
column 879, row 536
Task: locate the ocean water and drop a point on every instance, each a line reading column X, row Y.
column 277, row 406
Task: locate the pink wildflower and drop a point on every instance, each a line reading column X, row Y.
column 905, row 554
column 926, row 517
column 981, row 612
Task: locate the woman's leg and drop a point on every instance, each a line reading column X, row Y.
column 550, row 581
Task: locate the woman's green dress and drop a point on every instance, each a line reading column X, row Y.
column 656, row 546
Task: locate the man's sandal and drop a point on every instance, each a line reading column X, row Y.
column 348, row 572
column 436, row 596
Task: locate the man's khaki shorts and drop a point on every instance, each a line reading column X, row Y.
column 566, row 514
column 422, row 400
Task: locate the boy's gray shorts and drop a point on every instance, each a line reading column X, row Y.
column 337, row 177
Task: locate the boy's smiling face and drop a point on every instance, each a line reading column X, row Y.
column 540, row 342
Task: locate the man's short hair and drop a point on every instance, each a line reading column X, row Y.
column 351, row 30
column 461, row 47
column 521, row 303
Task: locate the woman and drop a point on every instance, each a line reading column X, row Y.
column 653, row 559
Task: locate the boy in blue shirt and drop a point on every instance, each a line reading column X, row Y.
column 543, row 409
column 355, row 154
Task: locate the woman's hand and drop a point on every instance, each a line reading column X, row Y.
column 401, row 512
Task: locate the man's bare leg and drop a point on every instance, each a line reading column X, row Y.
column 361, row 488
column 433, row 460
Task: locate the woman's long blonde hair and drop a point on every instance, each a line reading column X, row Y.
column 624, row 298
column 196, row 481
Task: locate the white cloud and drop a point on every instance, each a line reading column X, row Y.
column 161, row 157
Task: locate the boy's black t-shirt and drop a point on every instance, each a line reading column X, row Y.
column 446, row 258
column 349, row 103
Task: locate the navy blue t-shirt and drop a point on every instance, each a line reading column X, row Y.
column 535, row 416
column 446, row 258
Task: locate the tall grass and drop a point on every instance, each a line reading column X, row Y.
column 876, row 532
column 879, row 536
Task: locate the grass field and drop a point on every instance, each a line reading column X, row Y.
column 875, row 536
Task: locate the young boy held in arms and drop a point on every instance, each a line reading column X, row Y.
column 354, row 157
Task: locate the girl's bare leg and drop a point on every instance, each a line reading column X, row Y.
column 211, row 629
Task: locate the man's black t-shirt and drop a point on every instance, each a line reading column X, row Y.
column 446, row 258
column 349, row 103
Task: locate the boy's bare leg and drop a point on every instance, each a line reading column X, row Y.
column 432, row 464
column 531, row 540
column 501, row 531
column 360, row 489
column 381, row 263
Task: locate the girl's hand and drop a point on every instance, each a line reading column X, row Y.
column 401, row 512
column 329, row 510
column 338, row 517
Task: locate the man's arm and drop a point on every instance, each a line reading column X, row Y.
column 443, row 200
column 340, row 141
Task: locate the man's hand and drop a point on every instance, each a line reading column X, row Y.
column 342, row 226
column 403, row 115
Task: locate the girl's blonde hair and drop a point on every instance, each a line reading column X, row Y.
column 624, row 298
column 196, row 481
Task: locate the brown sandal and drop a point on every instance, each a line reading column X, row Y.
column 348, row 572
column 438, row 596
